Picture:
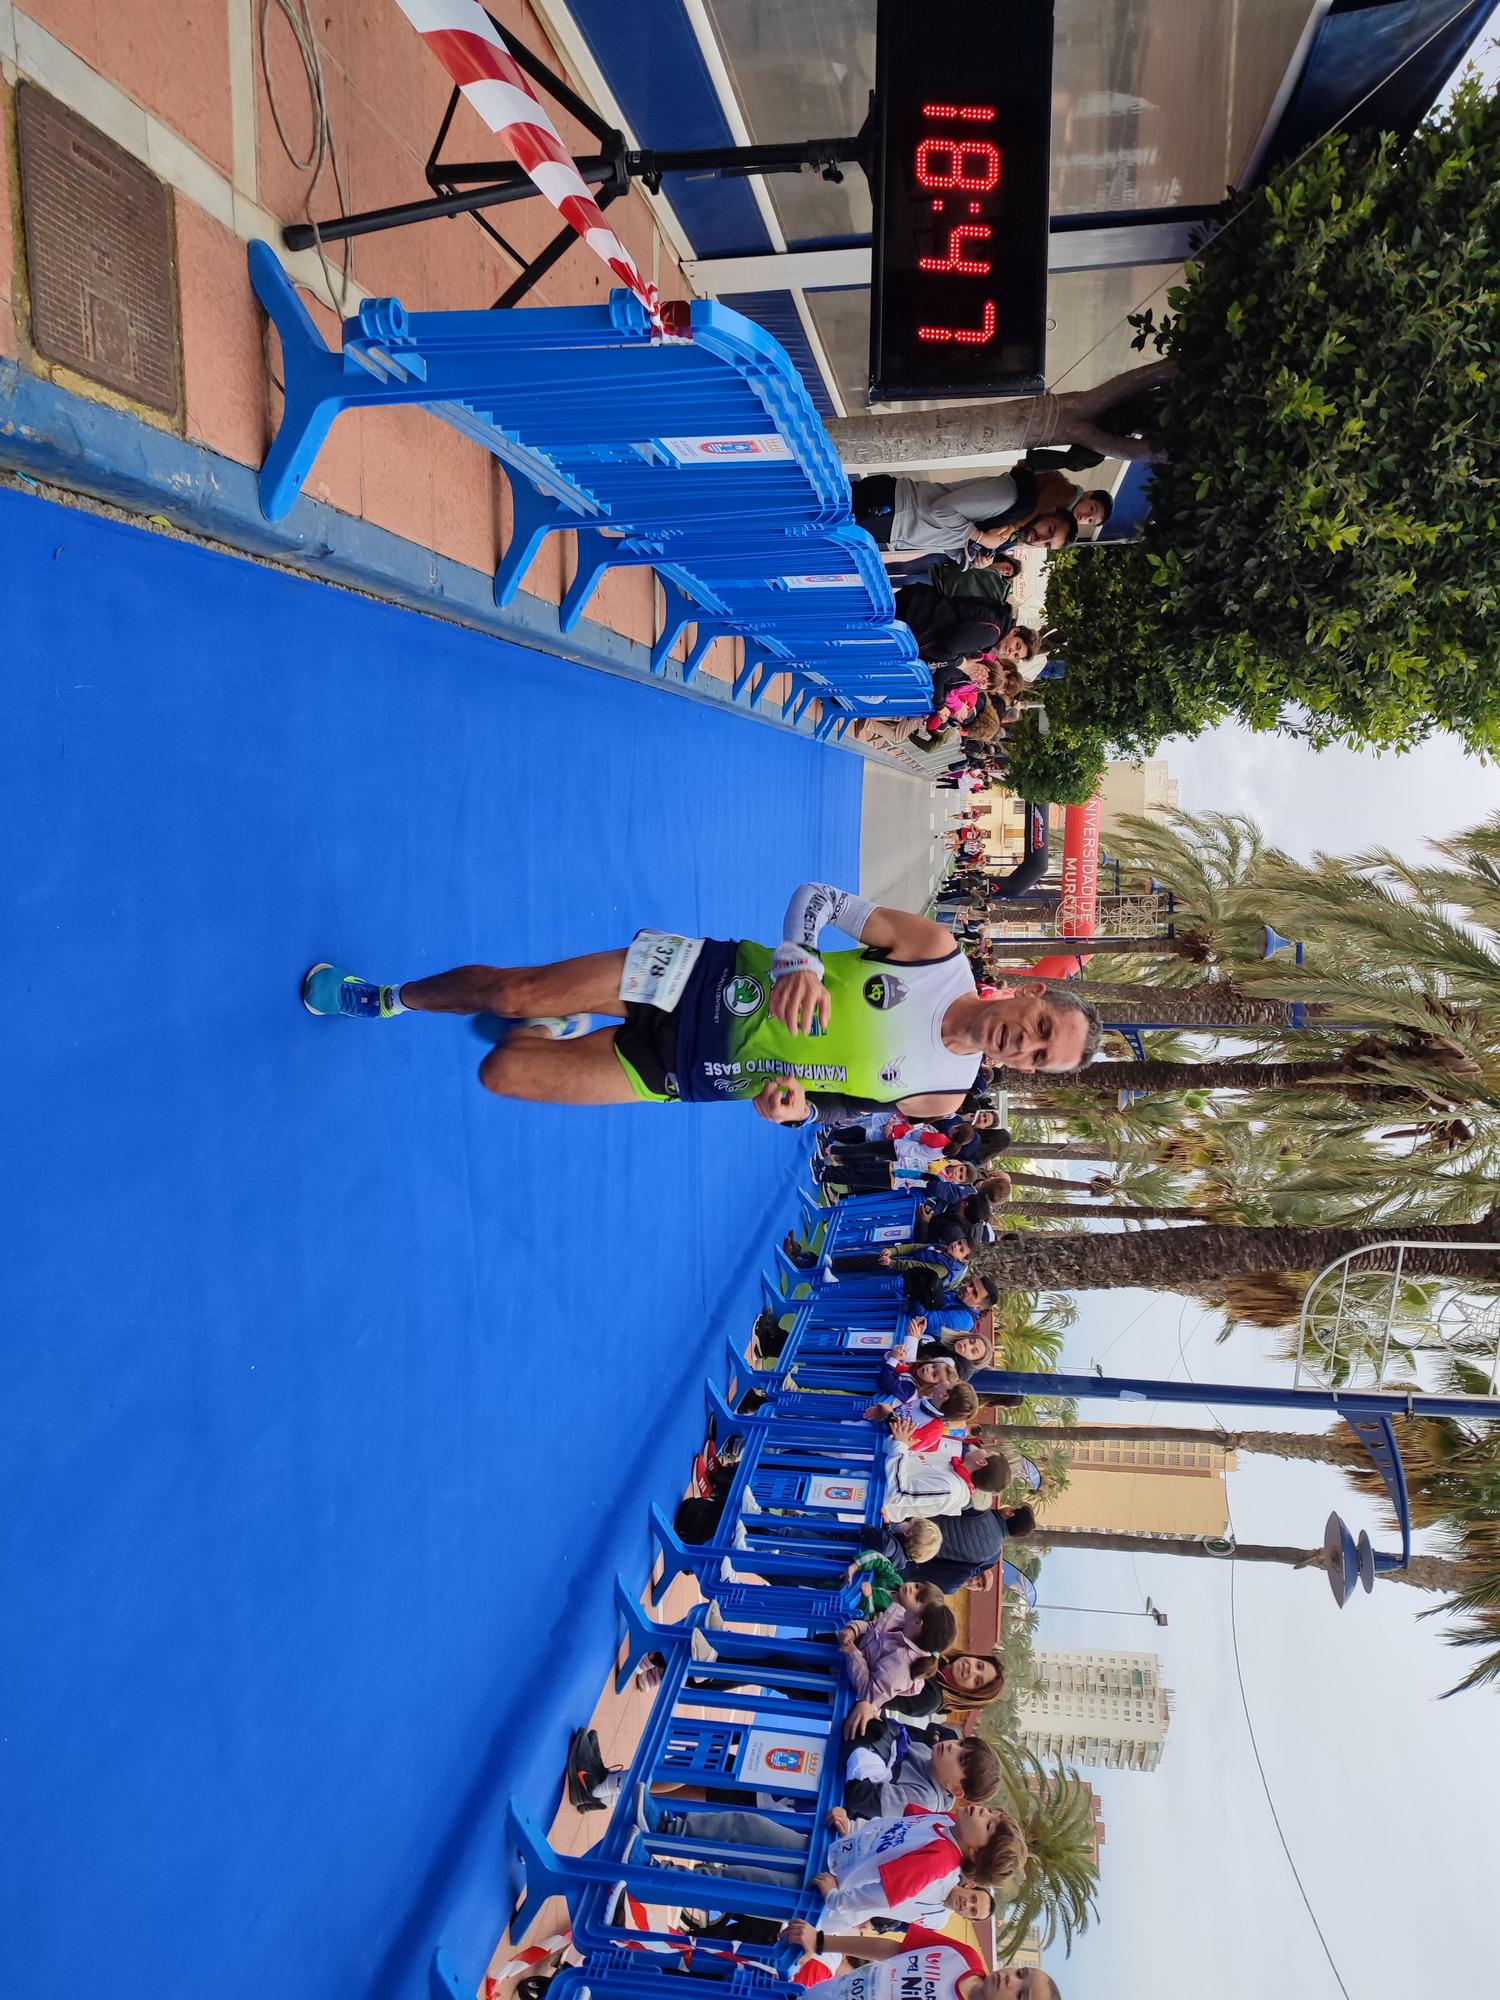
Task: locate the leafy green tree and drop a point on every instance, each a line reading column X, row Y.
column 1062, row 768
column 1322, row 555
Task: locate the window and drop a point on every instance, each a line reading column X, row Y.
column 1157, row 103
column 804, row 69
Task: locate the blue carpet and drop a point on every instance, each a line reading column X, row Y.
column 336, row 1389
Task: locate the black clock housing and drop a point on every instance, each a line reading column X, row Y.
column 963, row 122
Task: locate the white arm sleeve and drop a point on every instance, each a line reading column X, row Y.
column 815, row 905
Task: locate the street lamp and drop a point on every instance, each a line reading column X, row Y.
column 1107, row 1611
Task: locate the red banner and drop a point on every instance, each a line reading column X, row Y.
column 1078, row 909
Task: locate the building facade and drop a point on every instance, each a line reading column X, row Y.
column 1145, row 791
column 1106, row 1711
column 1144, row 1486
column 1029, row 1951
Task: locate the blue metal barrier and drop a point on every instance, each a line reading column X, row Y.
column 701, row 457
column 752, row 1717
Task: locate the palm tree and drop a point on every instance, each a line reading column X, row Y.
column 1185, row 1258
column 1449, row 1574
column 1452, row 1470
column 1317, row 1447
column 1411, row 950
column 1207, row 1005
column 1055, row 1810
column 1069, row 1211
column 1098, row 1186
column 1211, row 863
column 1400, row 944
column 1065, row 1149
column 1376, row 1070
column 1033, row 1326
column 1192, row 945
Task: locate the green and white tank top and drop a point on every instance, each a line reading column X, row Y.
column 884, row 1040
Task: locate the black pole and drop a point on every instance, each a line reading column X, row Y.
column 306, row 235
column 490, row 182
column 545, row 258
column 1242, row 1395
column 650, row 163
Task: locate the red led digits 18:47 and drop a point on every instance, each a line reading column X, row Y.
column 972, row 165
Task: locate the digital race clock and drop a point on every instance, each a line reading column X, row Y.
column 963, row 118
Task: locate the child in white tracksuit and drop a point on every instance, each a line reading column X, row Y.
column 902, row 1868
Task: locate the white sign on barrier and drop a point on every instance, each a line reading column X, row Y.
column 848, row 1494
column 782, row 1762
column 822, row 582
column 869, row 1337
column 728, row 450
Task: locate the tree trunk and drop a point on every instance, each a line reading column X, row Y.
column 1055, row 1149
column 1329, row 1078
column 1337, row 1447
column 1042, row 1211
column 1206, row 1005
column 997, row 428
column 1187, row 944
column 1156, row 1260
column 1042, row 1180
column 1440, row 1573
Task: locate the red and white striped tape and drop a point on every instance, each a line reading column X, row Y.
column 528, row 1957
column 463, row 38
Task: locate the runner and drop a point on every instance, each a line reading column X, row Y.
column 708, row 1021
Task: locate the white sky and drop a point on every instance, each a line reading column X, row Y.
column 1385, row 1792
column 1336, row 801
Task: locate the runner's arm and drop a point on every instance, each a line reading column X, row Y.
column 799, row 999
column 904, row 935
column 816, row 905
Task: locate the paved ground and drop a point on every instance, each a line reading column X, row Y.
column 901, row 854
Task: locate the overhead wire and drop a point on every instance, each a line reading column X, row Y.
column 1239, row 1674
column 322, row 148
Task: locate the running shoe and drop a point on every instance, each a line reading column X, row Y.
column 327, row 989
column 587, row 1771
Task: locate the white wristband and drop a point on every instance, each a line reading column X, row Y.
column 789, row 957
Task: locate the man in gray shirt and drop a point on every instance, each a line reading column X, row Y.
column 920, row 517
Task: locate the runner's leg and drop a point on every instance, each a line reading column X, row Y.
column 531, row 1065
column 587, row 985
